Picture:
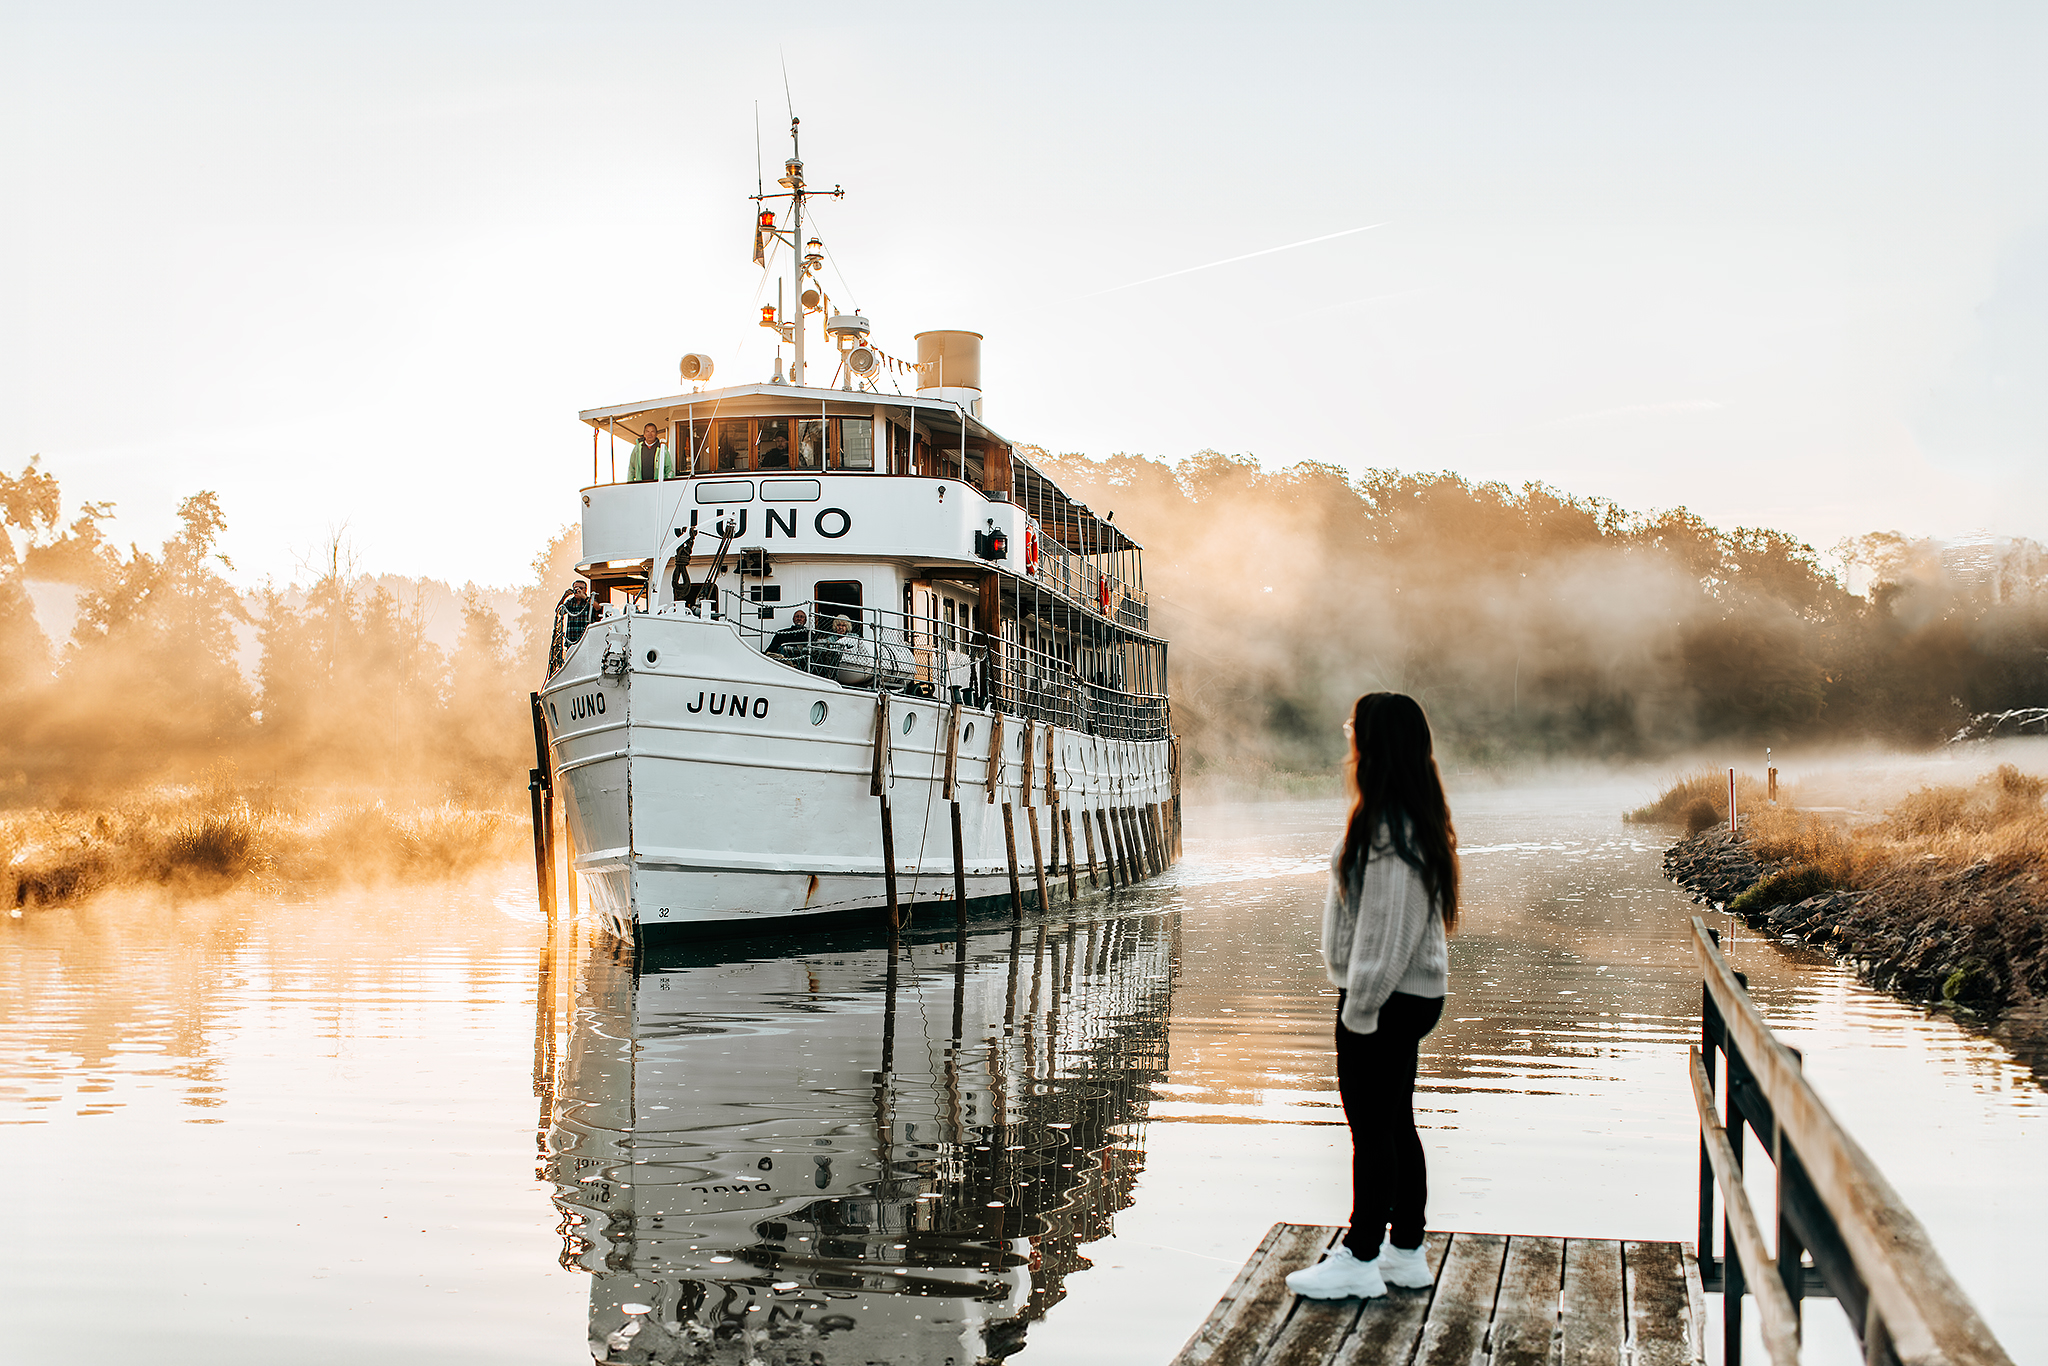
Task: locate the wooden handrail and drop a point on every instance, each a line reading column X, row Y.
column 1781, row 1320
column 1924, row 1313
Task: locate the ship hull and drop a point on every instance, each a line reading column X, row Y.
column 711, row 789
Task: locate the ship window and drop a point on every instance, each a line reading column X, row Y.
column 837, row 598
column 789, row 490
column 810, row 443
column 726, row 491
column 856, row 443
column 732, row 445
column 693, row 447
column 771, row 444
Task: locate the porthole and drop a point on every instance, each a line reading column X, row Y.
column 968, row 738
column 819, row 711
column 909, row 721
column 653, row 655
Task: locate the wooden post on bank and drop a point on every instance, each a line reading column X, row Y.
column 1089, row 831
column 952, row 794
column 879, row 788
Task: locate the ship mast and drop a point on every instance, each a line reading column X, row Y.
column 802, row 261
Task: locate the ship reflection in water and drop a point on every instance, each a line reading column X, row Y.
column 841, row 1149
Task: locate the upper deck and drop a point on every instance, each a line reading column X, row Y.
column 807, row 471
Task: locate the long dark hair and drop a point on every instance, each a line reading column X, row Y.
column 1394, row 780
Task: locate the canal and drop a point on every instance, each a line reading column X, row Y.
column 390, row 1126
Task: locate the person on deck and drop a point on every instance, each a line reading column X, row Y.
column 651, row 458
column 1393, row 898
column 572, row 619
column 791, row 640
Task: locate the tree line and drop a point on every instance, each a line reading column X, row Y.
column 1535, row 622
column 1529, row 621
column 346, row 687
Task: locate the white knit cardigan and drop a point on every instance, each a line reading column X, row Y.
column 1387, row 938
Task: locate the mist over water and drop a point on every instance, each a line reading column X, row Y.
column 1536, row 623
column 316, row 1120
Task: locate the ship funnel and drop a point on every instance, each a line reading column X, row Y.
column 949, row 367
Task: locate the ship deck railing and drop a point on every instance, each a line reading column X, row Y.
column 922, row 657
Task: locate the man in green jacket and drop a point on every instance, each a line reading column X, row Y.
column 651, row 459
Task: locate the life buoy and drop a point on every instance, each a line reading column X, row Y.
column 1102, row 593
column 1030, row 550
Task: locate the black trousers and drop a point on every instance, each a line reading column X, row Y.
column 1376, row 1078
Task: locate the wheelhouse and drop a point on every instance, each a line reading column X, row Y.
column 925, row 552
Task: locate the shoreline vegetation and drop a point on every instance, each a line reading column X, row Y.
column 1940, row 900
column 218, row 838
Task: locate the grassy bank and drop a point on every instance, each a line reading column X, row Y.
column 1939, row 899
column 212, row 840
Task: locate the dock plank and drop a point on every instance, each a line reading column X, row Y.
column 1593, row 1330
column 1525, row 1308
column 1661, row 1326
column 1258, row 1302
column 1498, row 1300
column 1388, row 1330
column 1455, row 1331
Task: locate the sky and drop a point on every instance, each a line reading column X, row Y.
column 357, row 268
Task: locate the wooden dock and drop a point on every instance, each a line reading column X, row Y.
column 1506, row 1300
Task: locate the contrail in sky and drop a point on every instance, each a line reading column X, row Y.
column 1231, row 260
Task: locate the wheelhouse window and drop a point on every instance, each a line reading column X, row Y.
column 693, row 447
column 856, row 443
column 732, row 444
column 810, row 443
column 771, row 443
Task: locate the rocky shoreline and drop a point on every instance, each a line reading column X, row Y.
column 1972, row 941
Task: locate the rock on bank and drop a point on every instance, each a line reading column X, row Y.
column 1971, row 939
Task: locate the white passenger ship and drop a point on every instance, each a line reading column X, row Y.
column 720, row 764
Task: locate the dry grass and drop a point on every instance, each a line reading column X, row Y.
column 1997, row 823
column 213, row 836
column 1698, row 799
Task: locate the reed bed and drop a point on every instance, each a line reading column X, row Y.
column 208, row 840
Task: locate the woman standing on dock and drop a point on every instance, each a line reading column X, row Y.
column 1393, row 897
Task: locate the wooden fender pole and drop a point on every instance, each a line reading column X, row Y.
column 1038, row 860
column 952, row 795
column 879, row 788
column 1123, row 860
column 1067, row 828
column 540, row 848
column 1089, row 831
column 1130, row 815
column 1109, row 870
column 995, row 755
column 1010, row 845
column 1150, row 852
column 542, row 781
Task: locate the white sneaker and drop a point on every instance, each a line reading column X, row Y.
column 1338, row 1276
column 1404, row 1266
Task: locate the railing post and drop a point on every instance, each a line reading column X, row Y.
column 1710, row 1043
column 1791, row 1252
column 1732, row 1282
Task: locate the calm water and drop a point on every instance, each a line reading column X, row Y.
column 394, row 1127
